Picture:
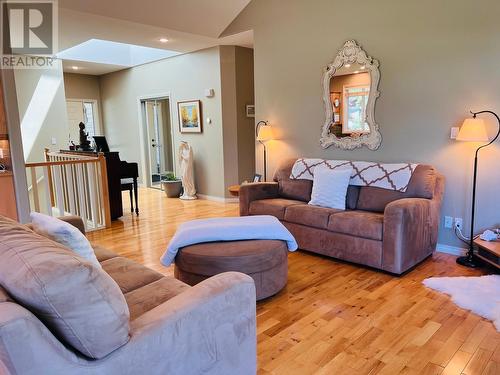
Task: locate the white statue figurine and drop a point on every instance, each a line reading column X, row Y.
column 187, row 171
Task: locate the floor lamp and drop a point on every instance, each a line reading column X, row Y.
column 264, row 133
column 473, row 130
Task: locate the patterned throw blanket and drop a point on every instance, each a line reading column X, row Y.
column 364, row 173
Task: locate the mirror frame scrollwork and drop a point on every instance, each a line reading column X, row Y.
column 351, row 53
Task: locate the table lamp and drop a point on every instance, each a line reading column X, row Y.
column 474, row 130
column 264, row 133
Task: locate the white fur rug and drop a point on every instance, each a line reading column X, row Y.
column 481, row 295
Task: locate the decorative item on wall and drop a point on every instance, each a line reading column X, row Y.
column 250, row 109
column 336, row 100
column 350, row 89
column 84, row 142
column 264, row 133
column 190, row 116
column 185, row 158
column 474, row 130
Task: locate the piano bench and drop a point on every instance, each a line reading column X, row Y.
column 130, row 184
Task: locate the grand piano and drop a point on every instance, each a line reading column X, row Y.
column 116, row 170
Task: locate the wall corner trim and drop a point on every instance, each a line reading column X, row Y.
column 453, row 250
column 218, row 199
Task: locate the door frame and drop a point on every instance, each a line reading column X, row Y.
column 144, row 135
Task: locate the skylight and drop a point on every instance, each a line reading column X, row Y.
column 114, row 53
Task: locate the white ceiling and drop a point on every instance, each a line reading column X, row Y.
column 202, row 17
column 189, row 25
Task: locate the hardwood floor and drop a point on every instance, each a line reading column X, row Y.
column 334, row 317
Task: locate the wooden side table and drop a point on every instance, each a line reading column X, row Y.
column 489, row 251
column 234, row 190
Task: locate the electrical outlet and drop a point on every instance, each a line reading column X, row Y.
column 53, row 140
column 459, row 222
column 454, row 132
column 448, row 222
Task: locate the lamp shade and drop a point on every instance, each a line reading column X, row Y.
column 265, row 133
column 473, row 130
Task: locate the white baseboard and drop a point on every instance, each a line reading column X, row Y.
column 453, row 250
column 218, row 199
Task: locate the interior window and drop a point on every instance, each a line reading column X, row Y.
column 356, row 98
column 81, row 110
column 88, row 115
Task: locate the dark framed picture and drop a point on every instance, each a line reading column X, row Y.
column 250, row 110
column 257, row 178
column 190, row 118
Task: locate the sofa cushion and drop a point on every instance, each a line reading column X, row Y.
column 103, row 254
column 128, row 274
column 75, row 299
column 65, row 233
column 330, row 187
column 4, row 297
column 358, row 223
column 301, row 189
column 149, row 296
column 421, row 185
column 296, row 189
column 275, row 207
column 351, row 201
column 309, row 215
column 292, row 189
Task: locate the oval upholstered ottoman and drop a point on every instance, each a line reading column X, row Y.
column 266, row 261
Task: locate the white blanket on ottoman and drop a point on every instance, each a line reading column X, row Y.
column 259, row 227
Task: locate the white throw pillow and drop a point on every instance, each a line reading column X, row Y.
column 65, row 234
column 330, row 187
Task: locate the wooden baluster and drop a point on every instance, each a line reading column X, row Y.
column 49, row 177
column 82, row 200
column 104, row 189
column 47, row 183
column 93, row 193
column 34, row 189
column 59, row 189
column 70, row 189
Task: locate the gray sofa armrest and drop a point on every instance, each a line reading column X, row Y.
column 407, row 238
column 256, row 191
column 208, row 329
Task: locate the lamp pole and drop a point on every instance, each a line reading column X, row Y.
column 259, row 124
column 468, row 259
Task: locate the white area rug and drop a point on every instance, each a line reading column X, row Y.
column 481, row 295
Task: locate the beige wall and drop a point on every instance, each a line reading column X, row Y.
column 239, row 131
column 184, row 77
column 438, row 59
column 83, row 86
column 246, row 125
column 46, row 88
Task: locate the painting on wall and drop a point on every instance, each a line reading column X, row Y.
column 189, row 116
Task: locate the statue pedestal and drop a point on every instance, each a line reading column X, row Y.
column 188, row 198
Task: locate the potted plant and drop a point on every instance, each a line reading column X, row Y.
column 171, row 185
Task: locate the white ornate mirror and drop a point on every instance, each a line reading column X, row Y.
column 350, row 89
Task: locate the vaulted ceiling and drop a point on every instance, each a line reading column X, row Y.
column 189, row 25
column 202, row 17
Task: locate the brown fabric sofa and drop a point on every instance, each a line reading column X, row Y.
column 172, row 328
column 380, row 228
